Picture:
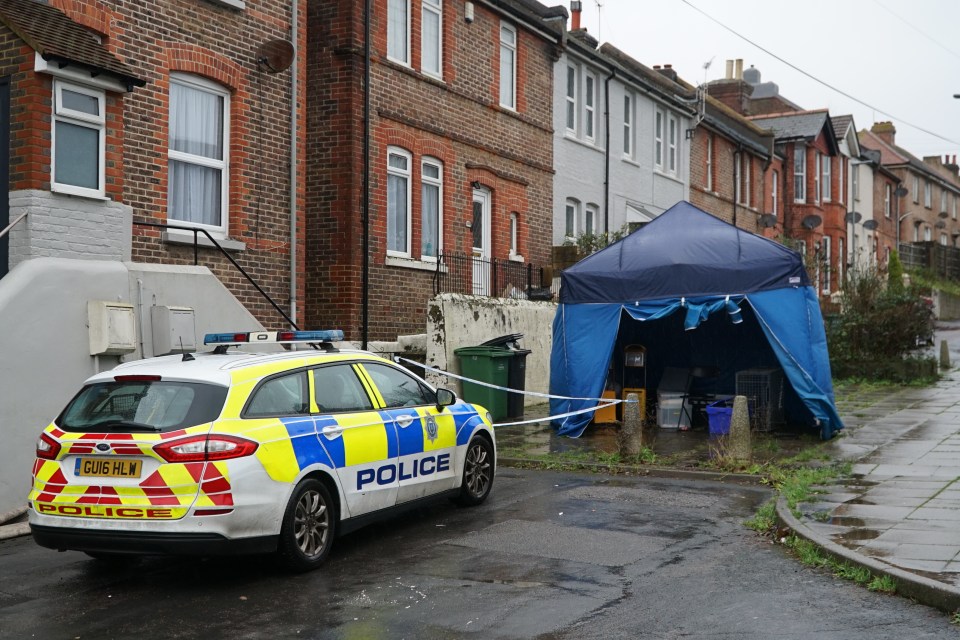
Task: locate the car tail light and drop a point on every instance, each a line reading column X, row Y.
column 47, row 447
column 205, row 448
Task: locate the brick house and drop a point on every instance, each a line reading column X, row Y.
column 734, row 171
column 460, row 155
column 156, row 111
column 814, row 204
column 927, row 212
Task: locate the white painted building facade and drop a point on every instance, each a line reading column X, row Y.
column 602, row 103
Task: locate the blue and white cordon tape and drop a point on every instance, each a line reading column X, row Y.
column 603, row 402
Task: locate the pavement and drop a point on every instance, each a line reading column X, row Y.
column 897, row 515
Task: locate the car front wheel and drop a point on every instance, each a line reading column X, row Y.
column 309, row 526
column 478, row 471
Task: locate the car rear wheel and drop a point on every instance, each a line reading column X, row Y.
column 309, row 526
column 478, row 471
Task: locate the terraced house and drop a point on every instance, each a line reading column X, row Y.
column 456, row 149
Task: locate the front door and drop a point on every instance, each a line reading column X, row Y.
column 4, row 173
column 480, row 226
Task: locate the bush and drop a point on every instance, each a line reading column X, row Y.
column 879, row 329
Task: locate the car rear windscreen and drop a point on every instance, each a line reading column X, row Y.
column 142, row 406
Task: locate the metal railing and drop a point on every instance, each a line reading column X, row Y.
column 495, row 278
column 196, row 232
column 6, row 229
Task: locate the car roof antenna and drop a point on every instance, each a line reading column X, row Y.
column 187, row 357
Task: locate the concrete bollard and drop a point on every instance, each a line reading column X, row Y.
column 944, row 355
column 630, row 438
column 738, row 444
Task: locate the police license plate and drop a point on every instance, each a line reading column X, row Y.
column 108, row 467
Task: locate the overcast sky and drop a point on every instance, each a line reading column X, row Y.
column 902, row 58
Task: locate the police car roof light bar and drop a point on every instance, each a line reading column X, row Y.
column 323, row 338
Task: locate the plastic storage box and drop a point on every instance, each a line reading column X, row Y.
column 670, row 413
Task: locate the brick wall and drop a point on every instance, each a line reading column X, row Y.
column 719, row 198
column 219, row 44
column 457, row 121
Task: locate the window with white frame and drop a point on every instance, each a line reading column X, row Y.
column 431, row 44
column 916, row 189
column 841, row 259
column 398, row 201
column 572, row 218
column 825, row 272
column 775, row 192
column 953, row 205
column 590, row 107
column 78, row 140
column 514, row 234
column 886, row 200
column 709, row 167
column 927, row 234
column 674, row 133
column 799, row 173
column 943, row 200
column 571, row 99
column 738, row 177
column 841, row 182
column 745, row 196
column 658, row 140
column 398, row 31
column 927, row 194
column 943, row 239
column 197, row 180
column 431, row 208
column 855, row 181
column 590, row 219
column 825, row 178
column 508, row 66
column 816, row 176
column 628, row 125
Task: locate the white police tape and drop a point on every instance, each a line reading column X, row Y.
column 526, row 393
column 603, row 402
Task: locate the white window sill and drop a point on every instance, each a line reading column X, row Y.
column 630, row 160
column 233, row 4
column 78, row 193
column 413, row 263
column 179, row 236
column 516, row 257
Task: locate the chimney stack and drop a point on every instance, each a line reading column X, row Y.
column 885, row 131
column 576, row 6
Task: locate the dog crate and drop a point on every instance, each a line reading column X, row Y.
column 764, row 391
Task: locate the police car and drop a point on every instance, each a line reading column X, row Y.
column 228, row 451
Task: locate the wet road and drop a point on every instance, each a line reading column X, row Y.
column 550, row 555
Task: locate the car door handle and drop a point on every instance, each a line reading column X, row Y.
column 404, row 421
column 332, row 431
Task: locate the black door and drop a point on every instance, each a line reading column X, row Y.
column 4, row 173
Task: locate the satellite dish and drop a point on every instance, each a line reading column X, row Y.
column 943, row 214
column 940, row 224
column 853, row 217
column 870, row 225
column 900, row 191
column 275, row 56
column 811, row 221
column 768, row 220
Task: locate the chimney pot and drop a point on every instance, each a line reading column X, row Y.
column 729, row 74
column 739, row 69
column 576, row 6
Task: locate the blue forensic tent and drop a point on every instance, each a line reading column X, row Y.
column 681, row 286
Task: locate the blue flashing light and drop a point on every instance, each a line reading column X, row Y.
column 273, row 337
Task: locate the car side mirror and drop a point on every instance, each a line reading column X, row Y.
column 445, row 398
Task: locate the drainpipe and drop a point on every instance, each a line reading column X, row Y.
column 294, row 88
column 737, row 156
column 606, row 153
column 365, row 312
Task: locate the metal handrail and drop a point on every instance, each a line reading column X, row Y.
column 216, row 244
column 13, row 224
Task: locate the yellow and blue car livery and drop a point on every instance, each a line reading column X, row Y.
column 111, row 477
